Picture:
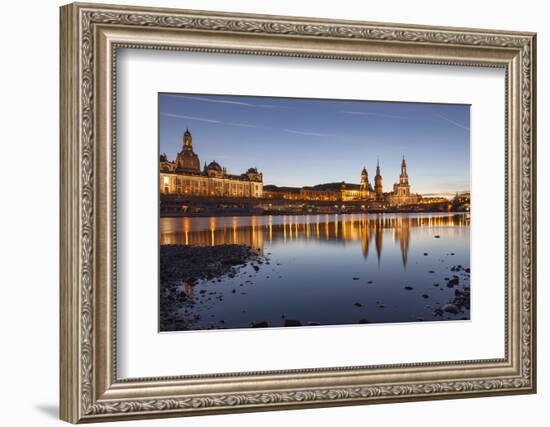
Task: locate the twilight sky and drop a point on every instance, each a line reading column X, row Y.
column 299, row 142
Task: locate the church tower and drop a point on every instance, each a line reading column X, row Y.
column 187, row 160
column 402, row 188
column 378, row 182
column 401, row 194
column 364, row 187
column 187, row 140
column 404, row 178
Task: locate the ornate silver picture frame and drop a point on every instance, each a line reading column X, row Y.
column 91, row 35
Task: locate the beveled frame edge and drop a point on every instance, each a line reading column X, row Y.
column 88, row 390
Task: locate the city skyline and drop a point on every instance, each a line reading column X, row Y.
column 332, row 139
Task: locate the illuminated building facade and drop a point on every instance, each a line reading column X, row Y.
column 401, row 194
column 365, row 189
column 283, row 193
column 310, row 193
column 346, row 192
column 378, row 190
column 184, row 177
column 353, row 192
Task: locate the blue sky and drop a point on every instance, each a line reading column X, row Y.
column 299, row 142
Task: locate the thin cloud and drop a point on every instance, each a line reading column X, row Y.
column 305, row 133
column 199, row 119
column 246, row 125
column 224, row 101
column 369, row 113
column 209, row 120
column 439, row 116
column 452, row 122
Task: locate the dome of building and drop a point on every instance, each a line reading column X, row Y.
column 214, row 166
column 188, row 161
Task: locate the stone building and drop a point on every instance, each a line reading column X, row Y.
column 184, row 176
column 401, row 194
column 378, row 190
column 187, row 161
column 326, row 195
column 365, row 189
column 348, row 192
column 353, row 192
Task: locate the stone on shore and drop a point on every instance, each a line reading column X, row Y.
column 184, row 267
column 452, row 282
column 437, row 312
column 291, row 322
column 450, row 308
column 193, row 263
column 260, row 324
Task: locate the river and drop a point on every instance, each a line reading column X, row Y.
column 332, row 269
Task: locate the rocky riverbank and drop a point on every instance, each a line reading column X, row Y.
column 183, row 267
column 460, row 302
column 237, row 286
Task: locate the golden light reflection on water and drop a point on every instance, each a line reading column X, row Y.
column 254, row 231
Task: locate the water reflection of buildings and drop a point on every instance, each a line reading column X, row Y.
column 331, row 228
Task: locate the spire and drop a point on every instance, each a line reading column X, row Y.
column 403, row 167
column 188, row 140
column 377, row 166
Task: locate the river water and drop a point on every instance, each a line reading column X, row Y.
column 331, row 269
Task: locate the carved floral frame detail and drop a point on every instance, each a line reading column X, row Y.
column 85, row 396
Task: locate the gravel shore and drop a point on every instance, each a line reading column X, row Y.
column 183, row 267
column 195, row 281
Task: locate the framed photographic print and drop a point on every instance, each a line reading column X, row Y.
column 344, row 210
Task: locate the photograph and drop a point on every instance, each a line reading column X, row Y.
column 344, row 209
column 278, row 212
